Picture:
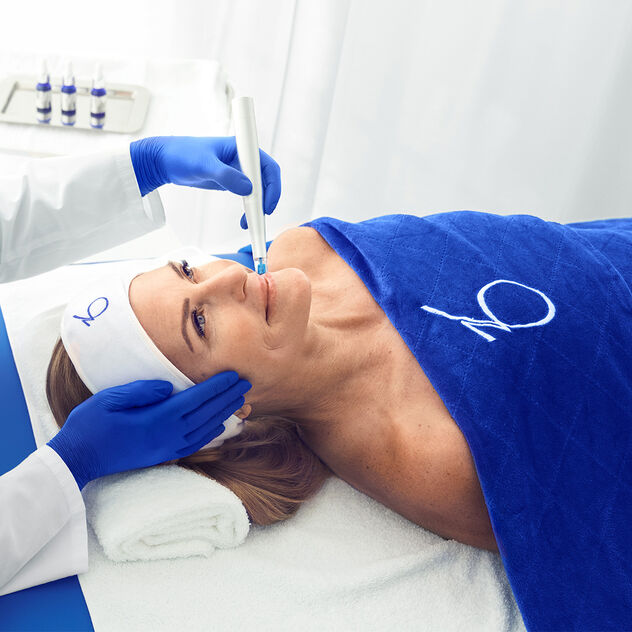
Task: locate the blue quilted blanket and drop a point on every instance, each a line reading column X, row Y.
column 524, row 328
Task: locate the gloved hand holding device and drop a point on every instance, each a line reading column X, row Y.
column 138, row 425
column 205, row 163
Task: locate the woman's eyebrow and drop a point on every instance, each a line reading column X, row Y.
column 175, row 268
column 185, row 311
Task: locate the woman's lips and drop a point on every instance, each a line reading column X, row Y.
column 270, row 294
column 265, row 293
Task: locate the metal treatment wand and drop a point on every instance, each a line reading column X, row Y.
column 248, row 152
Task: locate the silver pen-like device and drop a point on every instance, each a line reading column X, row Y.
column 248, row 152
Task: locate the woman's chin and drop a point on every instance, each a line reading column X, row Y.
column 289, row 299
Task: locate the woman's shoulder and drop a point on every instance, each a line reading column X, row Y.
column 298, row 247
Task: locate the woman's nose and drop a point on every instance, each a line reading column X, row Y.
column 224, row 284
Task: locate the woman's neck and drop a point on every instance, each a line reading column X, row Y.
column 329, row 378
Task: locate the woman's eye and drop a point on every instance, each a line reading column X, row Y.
column 186, row 269
column 199, row 322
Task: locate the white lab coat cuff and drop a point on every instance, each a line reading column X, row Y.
column 43, row 528
column 66, row 480
column 152, row 204
column 76, row 527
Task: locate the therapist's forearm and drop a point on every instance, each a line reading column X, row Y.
column 42, row 523
column 64, row 209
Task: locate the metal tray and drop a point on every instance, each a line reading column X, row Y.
column 126, row 106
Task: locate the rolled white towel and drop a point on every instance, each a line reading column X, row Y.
column 163, row 512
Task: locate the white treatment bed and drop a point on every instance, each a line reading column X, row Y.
column 344, row 562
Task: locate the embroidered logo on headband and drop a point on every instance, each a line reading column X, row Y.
column 86, row 320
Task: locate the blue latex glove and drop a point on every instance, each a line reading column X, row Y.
column 138, row 425
column 206, row 163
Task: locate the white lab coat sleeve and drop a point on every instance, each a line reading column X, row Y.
column 43, row 532
column 63, row 209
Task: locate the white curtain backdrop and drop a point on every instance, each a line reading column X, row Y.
column 372, row 107
column 510, row 107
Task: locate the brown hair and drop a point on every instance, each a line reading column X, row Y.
column 267, row 466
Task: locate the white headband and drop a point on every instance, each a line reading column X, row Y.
column 107, row 344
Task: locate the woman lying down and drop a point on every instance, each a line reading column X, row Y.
column 468, row 370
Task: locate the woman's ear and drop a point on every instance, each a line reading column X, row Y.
column 243, row 412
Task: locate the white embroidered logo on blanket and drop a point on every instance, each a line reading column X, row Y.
column 495, row 322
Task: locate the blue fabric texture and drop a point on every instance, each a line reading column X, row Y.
column 524, row 328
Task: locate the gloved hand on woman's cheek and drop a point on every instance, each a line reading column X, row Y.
column 138, row 425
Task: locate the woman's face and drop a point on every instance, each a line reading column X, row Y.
column 222, row 316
